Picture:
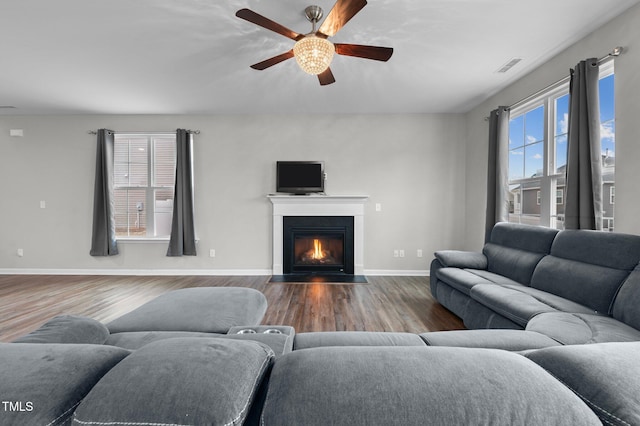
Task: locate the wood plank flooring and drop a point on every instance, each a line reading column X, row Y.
column 383, row 304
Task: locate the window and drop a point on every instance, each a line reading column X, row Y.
column 538, row 154
column 526, row 162
column 144, row 179
column 612, row 195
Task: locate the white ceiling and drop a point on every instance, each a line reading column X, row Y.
column 193, row 56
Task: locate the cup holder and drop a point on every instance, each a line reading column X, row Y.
column 246, row 331
column 272, row 331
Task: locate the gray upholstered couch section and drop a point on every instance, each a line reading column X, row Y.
column 68, row 329
column 409, row 385
column 572, row 286
column 42, row 384
column 269, row 375
column 179, row 381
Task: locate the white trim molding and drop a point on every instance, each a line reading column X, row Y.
column 319, row 205
column 396, row 273
column 193, row 272
column 139, row 272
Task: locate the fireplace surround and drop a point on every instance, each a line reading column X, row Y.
column 351, row 206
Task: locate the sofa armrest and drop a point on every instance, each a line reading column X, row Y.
column 461, row 259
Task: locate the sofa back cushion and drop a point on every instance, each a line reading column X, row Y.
column 179, row 381
column 514, row 250
column 199, row 309
column 588, row 267
column 68, row 329
column 42, row 384
column 626, row 303
column 416, row 386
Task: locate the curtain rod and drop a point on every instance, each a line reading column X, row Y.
column 615, row 52
column 195, row 132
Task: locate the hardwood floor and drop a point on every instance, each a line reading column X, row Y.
column 383, row 304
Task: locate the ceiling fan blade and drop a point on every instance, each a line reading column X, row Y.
column 326, row 77
column 339, row 15
column 376, row 53
column 255, row 18
column 273, row 61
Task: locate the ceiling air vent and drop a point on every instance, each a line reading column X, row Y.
column 506, row 67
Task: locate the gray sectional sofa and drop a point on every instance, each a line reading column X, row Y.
column 177, row 361
column 573, row 286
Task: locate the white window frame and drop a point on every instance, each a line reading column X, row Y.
column 612, row 195
column 548, row 180
column 150, row 189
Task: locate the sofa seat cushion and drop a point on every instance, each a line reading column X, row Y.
column 606, row 376
column 136, row 339
column 510, row 340
column 463, row 280
column 180, row 381
column 46, row 382
column 512, row 304
column 68, row 329
column 201, row 309
column 556, row 302
column 416, row 386
column 355, row 338
column 577, row 329
column 279, row 343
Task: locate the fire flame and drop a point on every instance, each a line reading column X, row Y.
column 317, row 250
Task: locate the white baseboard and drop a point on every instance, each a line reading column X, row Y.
column 191, row 272
column 397, row 272
column 138, row 272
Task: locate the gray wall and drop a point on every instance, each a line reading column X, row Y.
column 413, row 165
column 428, row 172
column 621, row 31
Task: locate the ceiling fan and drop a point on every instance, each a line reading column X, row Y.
column 313, row 51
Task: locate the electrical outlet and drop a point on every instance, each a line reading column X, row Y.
column 419, row 253
column 401, row 253
column 20, row 252
column 212, row 253
column 396, row 253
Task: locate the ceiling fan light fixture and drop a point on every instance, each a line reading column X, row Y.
column 314, row 54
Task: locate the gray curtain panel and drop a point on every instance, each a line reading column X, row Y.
column 583, row 208
column 498, row 169
column 103, row 238
column 183, row 237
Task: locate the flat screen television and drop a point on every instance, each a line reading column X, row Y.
column 300, row 177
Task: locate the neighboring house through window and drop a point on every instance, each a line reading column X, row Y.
column 538, row 154
column 144, row 179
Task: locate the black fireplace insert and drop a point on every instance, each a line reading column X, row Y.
column 318, row 244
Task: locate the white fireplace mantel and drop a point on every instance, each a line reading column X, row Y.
column 319, row 205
